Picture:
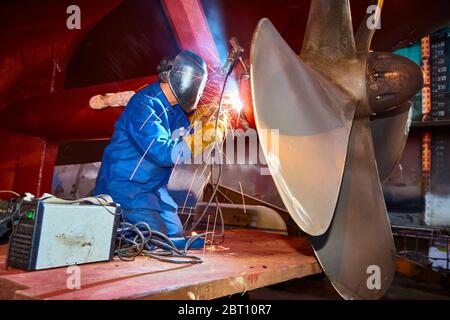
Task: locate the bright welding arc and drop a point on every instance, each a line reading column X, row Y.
column 233, row 58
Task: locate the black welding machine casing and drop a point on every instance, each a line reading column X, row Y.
column 51, row 232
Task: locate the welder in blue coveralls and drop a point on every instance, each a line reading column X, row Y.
column 139, row 160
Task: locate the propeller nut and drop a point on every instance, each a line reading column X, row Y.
column 391, row 80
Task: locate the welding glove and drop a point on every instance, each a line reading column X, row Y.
column 203, row 122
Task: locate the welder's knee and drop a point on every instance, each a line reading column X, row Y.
column 151, row 217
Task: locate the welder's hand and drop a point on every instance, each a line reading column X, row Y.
column 203, row 122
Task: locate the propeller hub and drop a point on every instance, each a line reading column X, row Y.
column 391, row 80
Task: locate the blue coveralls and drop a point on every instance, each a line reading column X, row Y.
column 139, row 160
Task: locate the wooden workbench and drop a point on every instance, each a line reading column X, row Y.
column 247, row 260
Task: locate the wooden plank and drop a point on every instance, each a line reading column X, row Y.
column 247, row 260
column 3, row 255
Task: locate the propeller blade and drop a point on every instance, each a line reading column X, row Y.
column 314, row 120
column 359, row 242
column 367, row 29
column 390, row 131
column 329, row 33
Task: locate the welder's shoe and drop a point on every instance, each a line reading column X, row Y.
column 180, row 243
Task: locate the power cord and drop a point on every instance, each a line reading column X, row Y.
column 15, row 215
column 140, row 240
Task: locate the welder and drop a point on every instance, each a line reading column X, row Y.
column 147, row 143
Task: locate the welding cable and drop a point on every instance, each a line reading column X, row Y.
column 15, row 217
column 7, row 218
column 216, row 148
column 103, row 200
column 130, row 251
column 222, row 222
column 153, row 244
column 20, row 216
column 120, row 213
column 185, row 259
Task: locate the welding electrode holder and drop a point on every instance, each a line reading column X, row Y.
column 234, row 56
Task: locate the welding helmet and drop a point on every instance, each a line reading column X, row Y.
column 186, row 75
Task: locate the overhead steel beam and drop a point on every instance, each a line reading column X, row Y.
column 66, row 115
column 191, row 28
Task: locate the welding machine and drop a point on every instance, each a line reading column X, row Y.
column 51, row 232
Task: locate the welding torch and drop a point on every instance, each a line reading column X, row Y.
column 234, row 57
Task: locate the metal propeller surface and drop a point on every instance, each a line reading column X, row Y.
column 326, row 167
column 313, row 117
column 390, row 131
column 359, row 240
